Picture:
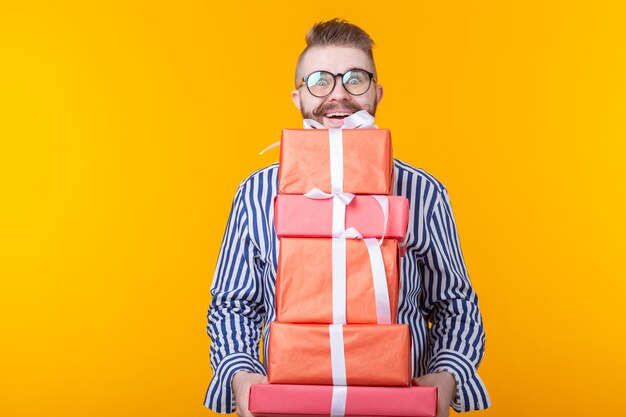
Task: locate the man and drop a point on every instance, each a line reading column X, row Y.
column 336, row 77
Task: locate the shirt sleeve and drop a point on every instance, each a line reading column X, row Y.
column 236, row 311
column 457, row 335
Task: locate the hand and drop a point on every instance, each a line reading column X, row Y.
column 241, row 387
column 446, row 389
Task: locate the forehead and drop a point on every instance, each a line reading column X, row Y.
column 335, row 59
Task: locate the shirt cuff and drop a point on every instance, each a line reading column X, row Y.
column 471, row 393
column 219, row 396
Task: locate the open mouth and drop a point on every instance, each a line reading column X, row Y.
column 335, row 118
column 337, row 115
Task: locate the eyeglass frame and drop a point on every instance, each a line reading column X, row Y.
column 370, row 75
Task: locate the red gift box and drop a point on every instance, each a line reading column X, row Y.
column 375, row 355
column 273, row 400
column 299, row 216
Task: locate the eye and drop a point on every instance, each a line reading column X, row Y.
column 353, row 78
column 320, row 79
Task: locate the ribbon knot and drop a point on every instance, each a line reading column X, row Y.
column 359, row 120
column 340, row 202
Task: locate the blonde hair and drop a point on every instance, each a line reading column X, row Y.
column 336, row 32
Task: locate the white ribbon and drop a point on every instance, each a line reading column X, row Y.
column 338, row 365
column 381, row 292
column 360, row 119
column 335, row 330
column 339, row 295
column 339, row 280
column 337, row 354
column 339, row 215
column 335, row 141
column 383, row 202
column 272, row 146
column 338, row 405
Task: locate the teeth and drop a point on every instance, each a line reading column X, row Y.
column 338, row 114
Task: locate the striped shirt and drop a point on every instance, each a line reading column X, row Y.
column 435, row 288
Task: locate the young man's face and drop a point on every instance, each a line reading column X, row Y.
column 332, row 109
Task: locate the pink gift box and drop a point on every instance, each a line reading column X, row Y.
column 269, row 400
column 299, row 216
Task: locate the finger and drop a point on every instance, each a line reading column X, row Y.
column 443, row 411
column 242, row 401
column 243, row 413
column 424, row 381
column 443, row 406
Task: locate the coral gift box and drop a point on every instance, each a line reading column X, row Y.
column 305, row 161
column 375, row 355
column 305, row 274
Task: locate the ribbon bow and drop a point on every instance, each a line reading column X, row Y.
column 359, row 120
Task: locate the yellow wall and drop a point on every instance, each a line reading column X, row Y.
column 126, row 126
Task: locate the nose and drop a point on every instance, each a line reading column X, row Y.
column 339, row 92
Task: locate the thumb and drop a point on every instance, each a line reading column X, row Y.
column 424, row 381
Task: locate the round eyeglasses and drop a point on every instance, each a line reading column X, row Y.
column 321, row 83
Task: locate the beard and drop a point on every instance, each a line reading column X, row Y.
column 317, row 113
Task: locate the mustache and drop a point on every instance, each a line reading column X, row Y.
column 328, row 107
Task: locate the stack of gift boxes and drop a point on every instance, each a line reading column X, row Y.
column 335, row 347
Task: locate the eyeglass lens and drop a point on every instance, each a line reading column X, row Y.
column 321, row 83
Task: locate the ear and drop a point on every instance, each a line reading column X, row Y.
column 379, row 93
column 295, row 97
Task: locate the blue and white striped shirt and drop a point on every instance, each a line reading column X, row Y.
column 435, row 288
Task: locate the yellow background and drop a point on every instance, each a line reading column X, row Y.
column 126, row 126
